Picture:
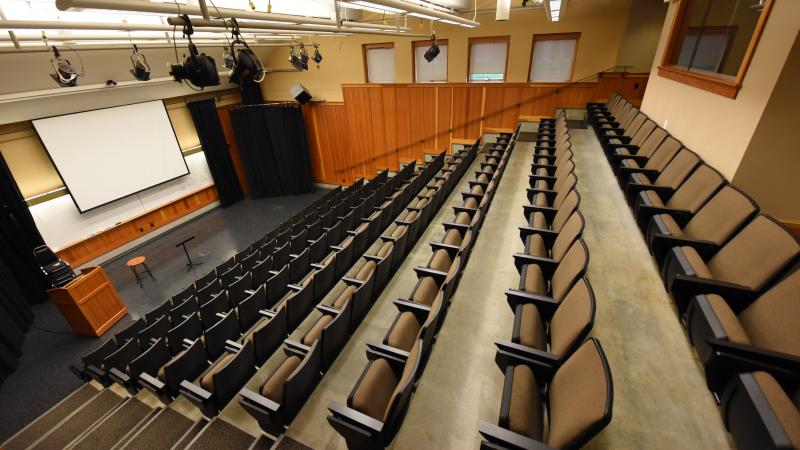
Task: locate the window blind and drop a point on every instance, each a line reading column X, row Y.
column 380, row 65
column 487, row 61
column 430, row 72
column 552, row 60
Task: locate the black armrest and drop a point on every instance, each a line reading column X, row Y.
column 532, row 178
column 548, row 211
column 387, row 349
column 258, row 401
column 374, row 258
column 95, row 372
column 617, row 158
column 681, row 216
column 548, row 236
column 404, row 305
column 549, row 194
column 547, row 306
column 548, row 265
column 624, row 172
column 737, row 296
column 317, row 266
column 337, row 248
column 451, row 249
column 233, row 347
column 634, row 188
column 325, row 309
column 785, row 361
column 461, row 227
column 355, row 418
column 119, row 376
column 529, row 352
column 660, row 241
column 298, row 347
column 625, row 139
column 195, row 393
column 542, row 370
column 266, row 313
column 353, row 281
column 151, row 383
column 506, row 439
column 428, row 272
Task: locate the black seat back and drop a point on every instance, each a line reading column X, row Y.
column 190, row 328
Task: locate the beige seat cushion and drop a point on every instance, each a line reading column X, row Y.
column 698, row 265
column 536, row 246
column 440, row 261
column 531, row 328
column 577, row 396
column 375, row 390
column 452, row 237
column 399, row 231
column 755, row 254
column 315, row 331
column 207, row 382
column 771, row 321
column 525, row 415
column 569, row 232
column 718, row 219
column 672, row 227
column 477, row 189
column 538, row 220
column 534, row 280
column 728, row 320
column 570, row 319
column 463, row 218
column 639, row 178
column 344, row 297
column 652, row 198
column 366, row 270
column 785, row 410
column 483, row 178
column 411, row 215
column 426, row 291
column 405, row 331
column 540, row 199
column 471, row 203
column 568, row 270
column 406, row 376
column 273, row 388
column 385, row 249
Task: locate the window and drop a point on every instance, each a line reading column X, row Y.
column 434, row 71
column 711, row 43
column 379, row 63
column 488, row 58
column 553, row 57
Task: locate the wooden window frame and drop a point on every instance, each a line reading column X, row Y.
column 482, row 40
column 414, row 45
column 555, row 37
column 720, row 84
column 364, row 48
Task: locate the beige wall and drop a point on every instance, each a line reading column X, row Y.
column 720, row 128
column 770, row 169
column 601, row 23
column 638, row 45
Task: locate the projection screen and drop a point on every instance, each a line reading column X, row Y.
column 107, row 154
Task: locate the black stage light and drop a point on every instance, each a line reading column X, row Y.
column 303, row 57
column 432, row 52
column 65, row 73
column 246, row 65
column 199, row 69
column 294, row 60
column 317, row 57
column 141, row 69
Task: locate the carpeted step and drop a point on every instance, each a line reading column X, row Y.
column 220, row 434
column 287, row 443
column 51, row 418
column 262, row 443
column 161, row 432
column 192, row 433
column 82, row 420
column 115, row 426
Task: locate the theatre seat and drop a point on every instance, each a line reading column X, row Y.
column 724, row 214
column 653, row 164
column 684, row 202
column 665, row 182
column 760, row 413
column 186, row 365
column 547, row 280
column 763, row 336
column 739, row 271
column 543, row 245
column 218, row 385
column 268, row 334
column 190, row 328
column 378, row 402
column 575, row 405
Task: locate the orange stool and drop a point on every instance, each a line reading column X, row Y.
column 140, row 261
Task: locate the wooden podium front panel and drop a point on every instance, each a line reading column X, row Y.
column 89, row 303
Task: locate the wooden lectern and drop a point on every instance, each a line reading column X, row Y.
column 89, row 303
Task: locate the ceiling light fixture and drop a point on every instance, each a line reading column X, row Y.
column 503, row 10
column 554, row 8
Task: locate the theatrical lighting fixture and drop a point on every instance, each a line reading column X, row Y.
column 228, row 58
column 433, row 51
column 294, row 60
column 141, row 69
column 317, row 56
column 246, row 65
column 65, row 73
column 198, row 69
column 303, row 57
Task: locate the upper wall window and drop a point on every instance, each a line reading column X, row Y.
column 379, row 63
column 434, row 71
column 711, row 43
column 553, row 57
column 488, row 58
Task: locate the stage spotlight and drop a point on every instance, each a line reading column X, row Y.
column 141, row 69
column 294, row 60
column 246, row 65
column 198, row 69
column 228, row 58
column 65, row 73
column 303, row 57
column 317, row 57
column 433, row 51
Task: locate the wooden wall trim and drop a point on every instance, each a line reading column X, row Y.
column 88, row 249
column 379, row 126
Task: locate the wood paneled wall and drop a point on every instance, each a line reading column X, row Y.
column 380, row 126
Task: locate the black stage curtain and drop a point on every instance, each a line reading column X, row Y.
column 272, row 141
column 18, row 268
column 251, row 92
column 209, row 130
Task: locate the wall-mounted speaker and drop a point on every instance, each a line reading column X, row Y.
column 300, row 93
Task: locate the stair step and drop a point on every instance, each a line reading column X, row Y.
column 115, row 426
column 51, row 418
column 161, row 432
column 221, row 434
column 83, row 419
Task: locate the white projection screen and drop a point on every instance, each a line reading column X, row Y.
column 107, row 154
